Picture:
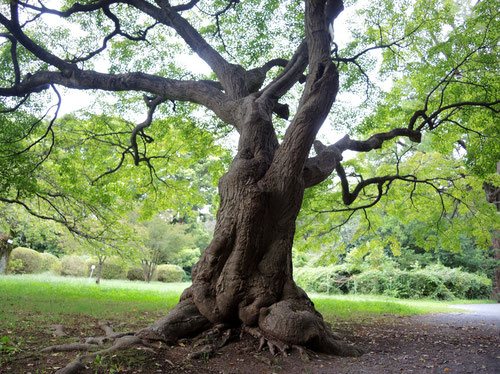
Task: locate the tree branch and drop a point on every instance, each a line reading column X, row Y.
column 199, row 92
column 13, row 54
column 320, row 90
column 230, row 76
column 292, row 74
column 328, row 158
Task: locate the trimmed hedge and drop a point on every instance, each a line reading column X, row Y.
column 169, row 273
column 50, row 263
column 435, row 282
column 74, row 266
column 25, row 261
column 135, row 273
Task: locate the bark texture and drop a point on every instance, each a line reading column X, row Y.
column 245, row 275
column 5, row 250
column 493, row 196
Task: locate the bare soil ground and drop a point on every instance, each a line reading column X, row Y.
column 442, row 343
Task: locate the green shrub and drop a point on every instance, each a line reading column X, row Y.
column 418, row 284
column 435, row 282
column 324, row 279
column 15, row 266
column 135, row 273
column 372, row 282
column 114, row 268
column 31, row 261
column 74, row 266
column 169, row 273
column 50, row 263
column 461, row 284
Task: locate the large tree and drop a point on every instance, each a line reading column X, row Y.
column 244, row 277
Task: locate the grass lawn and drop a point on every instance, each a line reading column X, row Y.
column 50, row 299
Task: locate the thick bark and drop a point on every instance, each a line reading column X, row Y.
column 493, row 196
column 245, row 275
column 5, row 250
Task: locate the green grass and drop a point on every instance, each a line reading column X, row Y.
column 359, row 306
column 49, row 299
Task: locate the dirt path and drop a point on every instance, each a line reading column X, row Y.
column 467, row 341
column 488, row 313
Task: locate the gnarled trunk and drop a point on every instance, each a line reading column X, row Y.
column 245, row 275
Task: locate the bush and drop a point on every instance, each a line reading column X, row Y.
column 325, row 279
column 26, row 261
column 169, row 273
column 50, row 263
column 135, row 273
column 112, row 268
column 15, row 266
column 435, row 282
column 462, row 284
column 74, row 266
column 418, row 284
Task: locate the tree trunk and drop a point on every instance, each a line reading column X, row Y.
column 496, row 281
column 98, row 270
column 493, row 196
column 245, row 275
column 148, row 269
column 5, row 250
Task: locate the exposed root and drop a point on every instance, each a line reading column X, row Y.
column 106, row 327
column 119, row 341
column 69, row 347
column 274, row 346
column 119, row 344
column 288, row 325
column 183, row 320
column 72, row 368
column 295, row 322
column 211, row 341
column 58, row 330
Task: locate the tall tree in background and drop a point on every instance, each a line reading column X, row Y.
column 245, row 275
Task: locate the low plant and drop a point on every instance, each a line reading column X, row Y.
column 169, row 273
column 74, row 266
column 28, row 261
column 7, row 346
column 135, row 273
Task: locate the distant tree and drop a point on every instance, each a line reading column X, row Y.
column 162, row 243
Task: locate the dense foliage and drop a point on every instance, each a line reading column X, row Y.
column 435, row 282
